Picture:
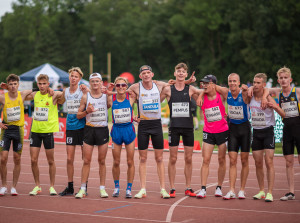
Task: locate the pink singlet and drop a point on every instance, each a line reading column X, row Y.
column 214, row 111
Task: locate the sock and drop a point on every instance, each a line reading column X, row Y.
column 129, row 186
column 70, row 185
column 117, row 184
column 86, row 186
column 203, row 187
column 219, row 187
column 102, row 187
column 83, row 186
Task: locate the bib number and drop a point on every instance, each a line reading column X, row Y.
column 258, row 119
column 98, row 116
column 41, row 114
column 181, row 109
column 213, row 114
column 235, row 112
column 290, row 109
column 122, row 115
column 13, row 114
column 150, row 105
column 72, row 106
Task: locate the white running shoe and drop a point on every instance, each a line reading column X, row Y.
column 229, row 195
column 13, row 192
column 3, row 191
column 241, row 194
column 288, row 196
column 201, row 194
column 218, row 192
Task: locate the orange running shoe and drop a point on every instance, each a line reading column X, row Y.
column 172, row 193
column 190, row 192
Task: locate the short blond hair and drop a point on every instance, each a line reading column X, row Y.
column 181, row 65
column 284, row 70
column 121, row 78
column 234, row 74
column 262, row 76
column 76, row 69
column 43, row 77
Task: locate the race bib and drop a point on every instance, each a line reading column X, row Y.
column 73, row 105
column 181, row 109
column 150, row 105
column 213, row 114
column 41, row 114
column 13, row 114
column 98, row 116
column 290, row 108
column 122, row 115
column 258, row 119
column 235, row 112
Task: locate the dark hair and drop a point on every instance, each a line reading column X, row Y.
column 12, row 77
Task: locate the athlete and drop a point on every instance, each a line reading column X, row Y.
column 263, row 143
column 94, row 107
column 45, row 122
column 181, row 124
column 215, row 132
column 75, row 126
column 12, row 130
column 122, row 132
column 239, row 133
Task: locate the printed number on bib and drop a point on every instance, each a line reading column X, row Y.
column 150, row 105
column 258, row 119
column 72, row 106
column 181, row 109
column 122, row 115
column 290, row 109
column 41, row 114
column 13, row 114
column 235, row 112
column 98, row 116
column 213, row 114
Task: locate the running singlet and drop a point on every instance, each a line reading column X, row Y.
column 238, row 111
column 121, row 111
column 99, row 116
column 149, row 103
column 260, row 118
column 290, row 106
column 180, row 108
column 214, row 112
column 73, row 103
column 13, row 111
column 45, row 117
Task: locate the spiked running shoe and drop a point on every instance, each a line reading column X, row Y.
column 164, row 194
column 201, row 194
column 190, row 192
column 288, row 196
column 80, row 194
column 128, row 194
column 229, row 195
column 52, row 191
column 37, row 190
column 241, row 194
column 172, row 193
column 116, row 192
column 141, row 194
column 67, row 192
column 269, row 198
column 13, row 192
column 218, row 192
column 3, row 191
column 103, row 194
column 259, row 196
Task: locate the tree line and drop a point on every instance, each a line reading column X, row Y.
column 212, row 36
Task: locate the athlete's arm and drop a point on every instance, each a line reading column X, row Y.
column 2, row 99
column 61, row 99
column 199, row 100
column 132, row 98
column 30, row 97
column 298, row 93
column 109, row 101
column 222, row 90
column 165, row 93
column 81, row 110
column 134, row 89
column 272, row 104
column 56, row 96
column 194, row 92
column 245, row 94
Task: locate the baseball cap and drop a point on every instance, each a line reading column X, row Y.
column 95, row 75
column 145, row 67
column 209, row 78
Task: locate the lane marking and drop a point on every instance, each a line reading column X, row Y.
column 110, row 209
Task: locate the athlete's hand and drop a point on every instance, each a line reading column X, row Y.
column 3, row 126
column 264, row 103
column 244, row 87
column 136, row 119
column 3, row 86
column 271, row 105
column 90, row 108
column 84, row 88
column 110, row 86
column 250, row 91
column 192, row 79
column 199, row 101
column 50, row 92
column 171, row 82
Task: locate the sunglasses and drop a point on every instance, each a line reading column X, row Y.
column 121, row 85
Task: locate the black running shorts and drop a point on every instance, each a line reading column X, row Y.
column 75, row 137
column 12, row 133
column 96, row 136
column 239, row 137
column 263, row 139
column 151, row 128
column 36, row 140
column 186, row 133
column 291, row 138
column 215, row 138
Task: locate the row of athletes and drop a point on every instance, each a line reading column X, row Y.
column 87, row 117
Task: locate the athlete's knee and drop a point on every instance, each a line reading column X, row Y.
column 289, row 163
column 116, row 163
column 222, row 161
column 173, row 160
column 188, row 160
column 17, row 160
column 206, row 162
column 259, row 163
column 3, row 161
column 130, row 163
column 269, row 163
column 34, row 161
column 86, row 161
column 70, row 161
column 159, row 159
column 143, row 159
column 51, row 162
column 101, row 162
column 245, row 162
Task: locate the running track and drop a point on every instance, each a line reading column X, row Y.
column 44, row 208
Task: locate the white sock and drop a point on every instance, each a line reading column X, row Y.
column 102, row 187
column 83, row 186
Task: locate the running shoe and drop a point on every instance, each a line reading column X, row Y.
column 164, row 194
column 37, row 190
column 288, row 196
column 241, row 194
column 201, row 194
column 52, row 191
column 141, row 194
column 80, row 194
column 116, row 192
column 172, row 193
column 218, row 192
column 67, row 192
column 13, row 192
column 190, row 192
column 3, row 191
column 128, row 194
column 103, row 193
column 269, row 198
column 229, row 195
column 259, row 196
